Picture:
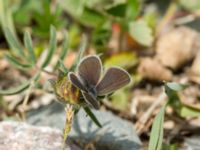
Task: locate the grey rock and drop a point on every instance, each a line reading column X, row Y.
column 191, row 143
column 52, row 115
column 21, row 136
column 116, row 133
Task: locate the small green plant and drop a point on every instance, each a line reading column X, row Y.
column 156, row 136
column 24, row 58
column 182, row 109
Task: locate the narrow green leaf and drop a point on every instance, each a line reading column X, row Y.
column 36, row 77
column 6, row 18
column 15, row 90
column 65, row 46
column 174, row 101
column 189, row 112
column 127, row 10
column 192, row 6
column 133, row 9
column 175, row 86
column 117, row 10
column 125, row 60
column 10, row 24
column 170, row 147
column 183, row 109
column 52, row 47
column 82, row 48
column 21, row 87
column 17, row 64
column 13, row 43
column 92, row 116
column 91, row 17
column 156, row 136
column 81, row 52
column 29, row 46
column 62, row 67
column 64, row 50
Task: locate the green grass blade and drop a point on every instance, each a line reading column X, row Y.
column 65, row 46
column 81, row 52
column 36, row 77
column 64, row 50
column 92, row 116
column 175, row 86
column 13, row 43
column 21, row 87
column 29, row 46
column 17, row 64
column 52, row 47
column 6, row 20
column 156, row 136
column 16, row 90
column 62, row 67
column 172, row 89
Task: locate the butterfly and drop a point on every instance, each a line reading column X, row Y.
column 92, row 84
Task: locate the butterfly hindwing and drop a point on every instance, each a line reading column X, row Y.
column 76, row 81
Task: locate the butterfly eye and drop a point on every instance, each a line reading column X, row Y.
column 113, row 79
column 89, row 69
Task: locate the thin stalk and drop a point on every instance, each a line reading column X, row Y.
column 68, row 123
column 26, row 98
column 167, row 17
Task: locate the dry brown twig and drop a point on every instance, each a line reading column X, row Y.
column 140, row 124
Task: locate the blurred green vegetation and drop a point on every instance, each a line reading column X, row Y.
column 96, row 18
column 134, row 24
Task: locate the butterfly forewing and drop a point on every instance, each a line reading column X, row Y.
column 91, row 100
column 76, row 82
column 89, row 69
column 113, row 79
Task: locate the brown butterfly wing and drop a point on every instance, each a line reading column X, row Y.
column 89, row 69
column 91, row 100
column 76, row 82
column 114, row 79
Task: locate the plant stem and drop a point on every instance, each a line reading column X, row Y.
column 25, row 101
column 27, row 96
column 68, row 124
column 167, row 17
